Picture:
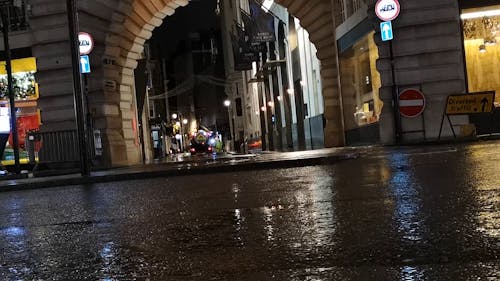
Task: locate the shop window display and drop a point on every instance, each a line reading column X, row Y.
column 360, row 82
column 481, row 27
column 26, row 100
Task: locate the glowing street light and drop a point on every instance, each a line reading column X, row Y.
column 227, row 103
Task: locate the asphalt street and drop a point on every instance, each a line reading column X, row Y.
column 412, row 213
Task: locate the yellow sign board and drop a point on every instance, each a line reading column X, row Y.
column 20, row 65
column 470, row 103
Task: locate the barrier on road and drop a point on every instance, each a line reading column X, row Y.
column 58, row 151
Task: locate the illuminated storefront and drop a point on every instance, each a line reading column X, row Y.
column 481, row 29
column 481, row 33
column 26, row 100
column 360, row 83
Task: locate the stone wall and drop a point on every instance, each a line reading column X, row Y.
column 428, row 55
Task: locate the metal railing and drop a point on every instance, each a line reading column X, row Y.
column 17, row 12
column 54, row 147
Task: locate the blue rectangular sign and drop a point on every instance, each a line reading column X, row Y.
column 386, row 31
column 84, row 64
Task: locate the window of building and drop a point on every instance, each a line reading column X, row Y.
column 360, row 82
column 26, row 103
column 481, row 32
column 239, row 108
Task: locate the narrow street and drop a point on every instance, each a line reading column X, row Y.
column 413, row 213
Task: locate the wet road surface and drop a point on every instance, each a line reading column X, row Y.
column 417, row 213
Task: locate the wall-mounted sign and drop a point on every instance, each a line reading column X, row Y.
column 386, row 31
column 470, row 103
column 411, row 103
column 86, row 43
column 387, row 10
column 84, row 64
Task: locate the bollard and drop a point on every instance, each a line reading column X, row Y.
column 30, row 147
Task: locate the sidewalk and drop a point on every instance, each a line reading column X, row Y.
column 188, row 166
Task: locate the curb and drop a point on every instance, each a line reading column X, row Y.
column 173, row 171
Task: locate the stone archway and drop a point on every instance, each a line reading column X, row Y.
column 132, row 24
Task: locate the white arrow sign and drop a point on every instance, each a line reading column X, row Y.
column 386, row 31
column 84, row 64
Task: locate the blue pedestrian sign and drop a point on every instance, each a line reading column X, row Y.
column 84, row 64
column 386, row 31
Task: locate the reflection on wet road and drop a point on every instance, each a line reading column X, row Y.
column 427, row 213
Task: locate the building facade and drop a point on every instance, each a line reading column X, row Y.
column 440, row 47
column 278, row 101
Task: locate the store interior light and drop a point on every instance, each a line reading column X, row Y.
column 263, row 108
column 480, row 14
column 490, row 40
column 270, row 104
column 482, row 48
column 290, row 91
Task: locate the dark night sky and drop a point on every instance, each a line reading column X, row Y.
column 196, row 16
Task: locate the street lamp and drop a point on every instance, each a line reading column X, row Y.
column 181, row 128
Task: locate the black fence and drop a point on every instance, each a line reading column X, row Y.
column 54, row 147
column 17, row 14
column 487, row 123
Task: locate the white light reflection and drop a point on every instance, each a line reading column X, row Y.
column 324, row 215
column 409, row 273
column 108, row 256
column 238, row 223
column 406, row 199
column 15, row 236
column 487, row 198
column 267, row 5
column 314, row 210
column 13, row 231
column 235, row 190
column 268, row 218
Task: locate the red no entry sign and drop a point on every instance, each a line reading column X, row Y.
column 411, row 103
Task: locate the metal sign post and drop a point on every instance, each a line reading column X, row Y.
column 386, row 11
column 13, row 118
column 77, row 87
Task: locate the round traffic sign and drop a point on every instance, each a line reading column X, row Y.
column 387, row 10
column 86, row 43
column 411, row 103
